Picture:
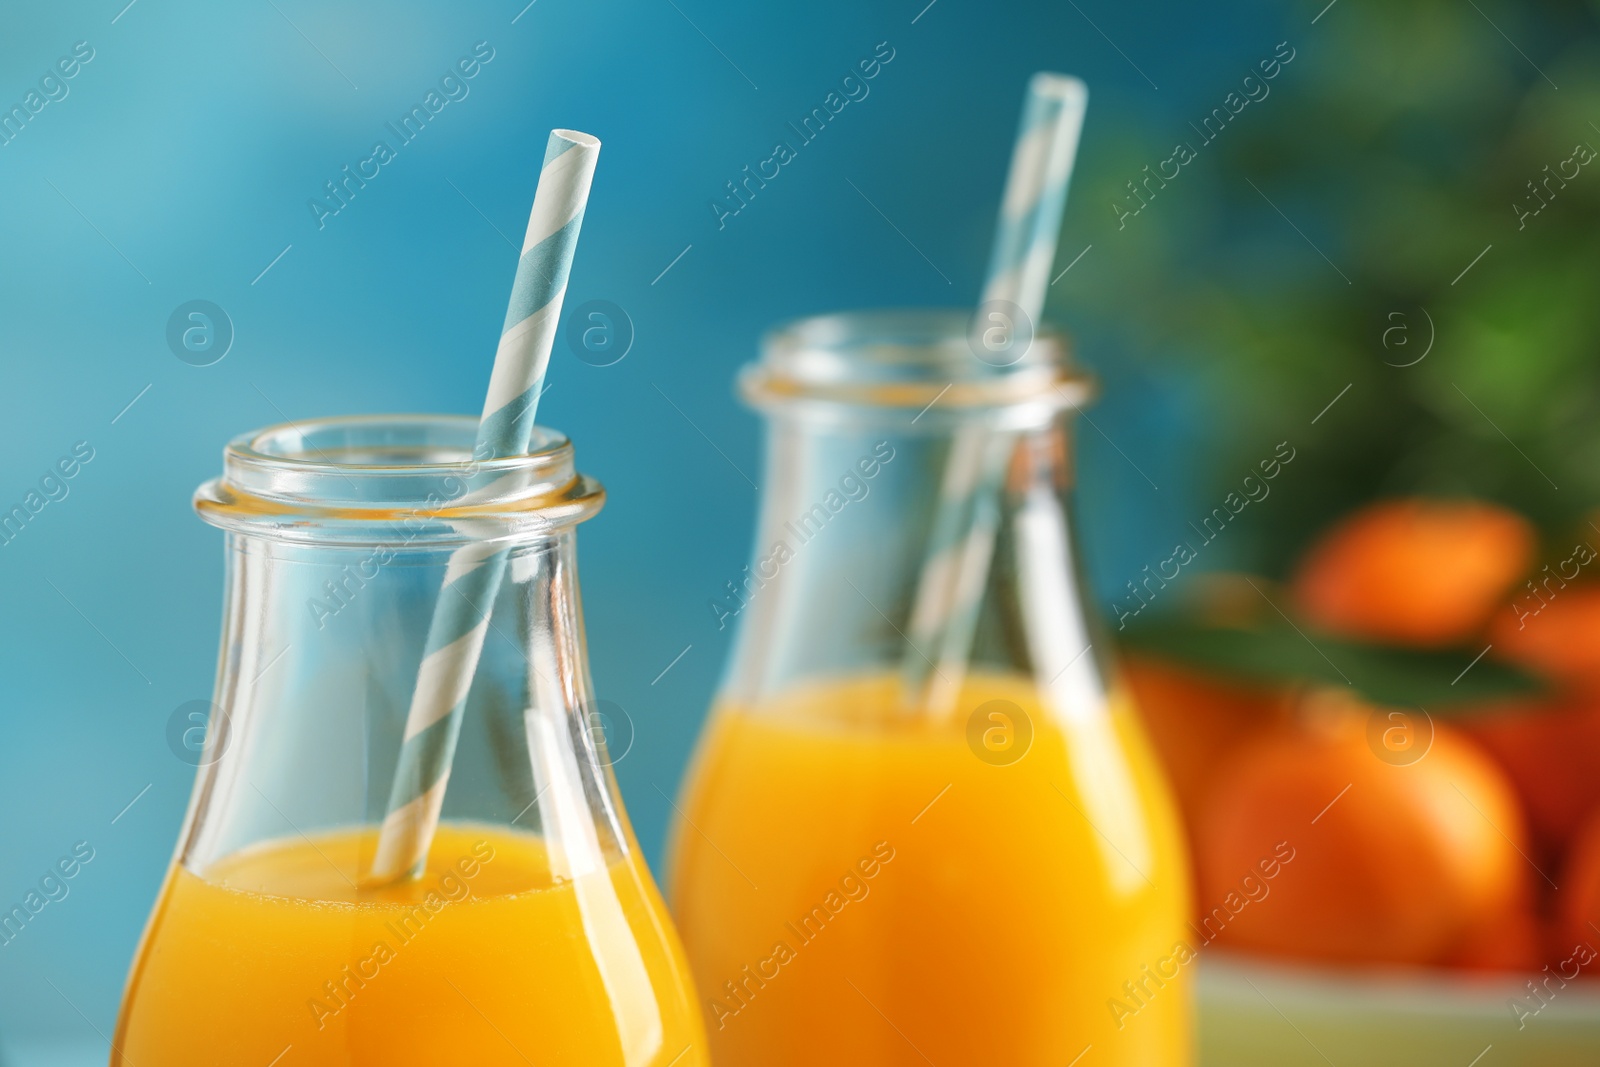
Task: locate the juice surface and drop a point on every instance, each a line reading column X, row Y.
column 857, row 886
column 273, row 956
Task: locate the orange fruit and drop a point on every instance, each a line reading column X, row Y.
column 1551, row 752
column 1388, row 862
column 1578, row 899
column 1514, row 941
column 1195, row 720
column 1413, row 571
column 1561, row 642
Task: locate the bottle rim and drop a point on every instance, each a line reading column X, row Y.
column 916, row 358
column 356, row 477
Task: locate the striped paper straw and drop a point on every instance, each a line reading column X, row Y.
column 1036, row 192
column 472, row 578
column 955, row 570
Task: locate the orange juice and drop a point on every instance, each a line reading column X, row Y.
column 273, row 955
column 860, row 886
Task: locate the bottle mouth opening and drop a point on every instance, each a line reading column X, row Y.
column 913, row 358
column 323, row 479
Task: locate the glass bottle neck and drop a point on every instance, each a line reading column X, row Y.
column 321, row 649
column 927, row 550
column 348, row 541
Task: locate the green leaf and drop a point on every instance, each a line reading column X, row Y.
column 1279, row 653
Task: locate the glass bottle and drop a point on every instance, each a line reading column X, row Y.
column 905, row 844
column 535, row 932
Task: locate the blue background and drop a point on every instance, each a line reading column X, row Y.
column 179, row 166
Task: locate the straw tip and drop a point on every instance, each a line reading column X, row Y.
column 1058, row 86
column 575, row 137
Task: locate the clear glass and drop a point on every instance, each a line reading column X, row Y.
column 534, row 933
column 983, row 867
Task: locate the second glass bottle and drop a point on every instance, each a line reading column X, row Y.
column 923, row 824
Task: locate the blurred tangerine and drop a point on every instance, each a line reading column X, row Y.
column 1551, row 752
column 1513, row 941
column 1578, row 899
column 1195, row 720
column 1393, row 863
column 1561, row 641
column 1413, row 571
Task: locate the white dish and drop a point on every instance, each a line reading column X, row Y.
column 1254, row 1013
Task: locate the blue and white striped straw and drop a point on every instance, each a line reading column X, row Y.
column 473, row 575
column 1036, row 192
column 955, row 570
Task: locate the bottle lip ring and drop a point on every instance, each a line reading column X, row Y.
column 913, row 358
column 344, row 477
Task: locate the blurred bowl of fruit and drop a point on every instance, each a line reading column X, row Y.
column 1388, row 768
